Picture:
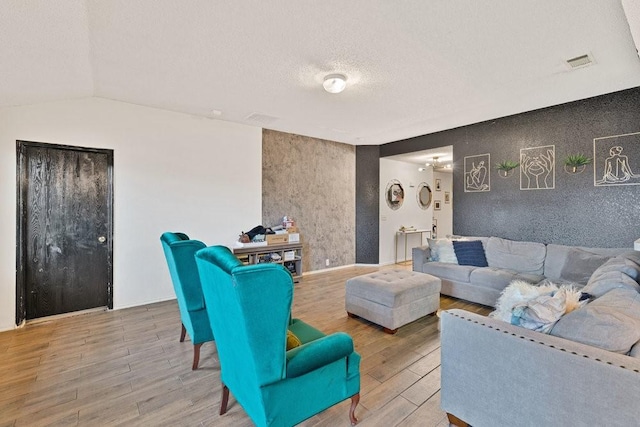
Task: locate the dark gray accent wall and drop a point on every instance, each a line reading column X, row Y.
column 575, row 212
column 367, row 201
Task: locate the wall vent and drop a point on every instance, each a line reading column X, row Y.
column 579, row 61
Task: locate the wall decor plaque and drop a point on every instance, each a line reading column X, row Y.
column 538, row 168
column 476, row 173
column 616, row 160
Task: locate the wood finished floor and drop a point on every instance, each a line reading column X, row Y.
column 127, row 367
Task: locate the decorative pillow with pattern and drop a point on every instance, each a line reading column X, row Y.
column 470, row 253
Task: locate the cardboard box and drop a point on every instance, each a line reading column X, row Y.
column 293, row 229
column 294, row 237
column 289, row 255
column 277, row 239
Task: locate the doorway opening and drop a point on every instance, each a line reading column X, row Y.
column 426, row 178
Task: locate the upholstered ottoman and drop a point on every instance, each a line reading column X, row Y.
column 392, row 298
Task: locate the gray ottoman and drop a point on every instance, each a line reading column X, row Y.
column 392, row 298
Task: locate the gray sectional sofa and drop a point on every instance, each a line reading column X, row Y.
column 509, row 260
column 585, row 373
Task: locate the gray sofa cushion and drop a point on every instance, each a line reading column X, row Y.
column 618, row 272
column 443, row 270
column 605, row 282
column 611, row 322
column 500, row 278
column 623, row 265
column 525, row 257
column 530, row 277
column 580, row 265
column 557, row 256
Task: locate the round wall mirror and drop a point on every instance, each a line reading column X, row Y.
column 395, row 194
column 423, row 195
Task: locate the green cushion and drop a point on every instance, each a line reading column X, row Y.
column 305, row 332
column 318, row 353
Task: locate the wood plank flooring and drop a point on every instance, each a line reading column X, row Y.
column 127, row 367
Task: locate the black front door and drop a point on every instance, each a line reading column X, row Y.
column 65, row 199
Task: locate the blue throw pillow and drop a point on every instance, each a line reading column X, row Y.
column 470, row 253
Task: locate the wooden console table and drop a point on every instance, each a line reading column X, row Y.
column 290, row 256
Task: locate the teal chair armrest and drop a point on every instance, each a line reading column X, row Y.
column 320, row 352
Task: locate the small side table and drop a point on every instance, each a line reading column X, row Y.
column 406, row 235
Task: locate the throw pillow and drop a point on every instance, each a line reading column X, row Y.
column 580, row 265
column 442, row 251
column 470, row 253
column 292, row 340
column 611, row 322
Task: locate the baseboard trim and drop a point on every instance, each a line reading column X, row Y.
column 63, row 315
column 324, row 270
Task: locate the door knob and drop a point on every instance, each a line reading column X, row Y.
column 102, row 239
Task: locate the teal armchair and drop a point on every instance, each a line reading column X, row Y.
column 250, row 312
column 180, row 252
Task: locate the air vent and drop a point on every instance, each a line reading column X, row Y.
column 261, row 119
column 579, row 61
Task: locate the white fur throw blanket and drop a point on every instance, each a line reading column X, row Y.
column 536, row 307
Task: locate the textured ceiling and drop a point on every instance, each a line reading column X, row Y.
column 413, row 67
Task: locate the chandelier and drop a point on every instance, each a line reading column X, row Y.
column 436, row 164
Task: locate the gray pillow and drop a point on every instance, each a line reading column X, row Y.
column 624, row 265
column 580, row 265
column 611, row 322
column 605, row 282
column 632, row 256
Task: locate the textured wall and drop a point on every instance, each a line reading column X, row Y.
column 313, row 181
column 367, row 195
column 575, row 212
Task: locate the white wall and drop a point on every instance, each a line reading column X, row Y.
column 444, row 216
column 409, row 214
column 172, row 172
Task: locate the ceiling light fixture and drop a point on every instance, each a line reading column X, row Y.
column 334, row 83
column 437, row 165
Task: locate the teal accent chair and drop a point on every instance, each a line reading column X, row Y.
column 250, row 311
column 180, row 253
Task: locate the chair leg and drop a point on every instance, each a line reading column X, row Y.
column 183, row 333
column 196, row 356
column 225, row 399
column 352, row 410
